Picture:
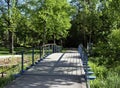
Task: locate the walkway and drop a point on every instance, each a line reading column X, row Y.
column 58, row 70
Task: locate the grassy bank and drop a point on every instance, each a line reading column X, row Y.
column 12, row 65
column 6, row 80
column 106, row 77
column 5, row 51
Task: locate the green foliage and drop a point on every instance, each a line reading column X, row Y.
column 6, row 80
column 33, row 22
column 109, row 51
column 117, row 69
column 108, row 59
column 114, row 38
column 114, row 44
column 106, row 78
column 100, row 71
column 55, row 16
column 91, row 23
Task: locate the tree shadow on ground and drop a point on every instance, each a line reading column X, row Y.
column 52, row 74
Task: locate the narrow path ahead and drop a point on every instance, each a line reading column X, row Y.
column 58, row 70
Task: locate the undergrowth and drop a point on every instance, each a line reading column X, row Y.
column 106, row 77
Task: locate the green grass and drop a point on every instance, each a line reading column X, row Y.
column 5, row 51
column 5, row 80
column 105, row 77
column 9, row 77
column 27, row 57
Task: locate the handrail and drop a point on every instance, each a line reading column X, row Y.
column 49, row 44
column 84, row 61
column 4, row 71
column 31, row 57
column 44, row 51
column 84, row 58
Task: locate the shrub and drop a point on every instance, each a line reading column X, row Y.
column 106, row 78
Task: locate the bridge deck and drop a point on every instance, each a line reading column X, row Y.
column 58, row 70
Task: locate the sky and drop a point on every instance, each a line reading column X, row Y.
column 68, row 0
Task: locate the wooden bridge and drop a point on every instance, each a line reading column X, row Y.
column 57, row 70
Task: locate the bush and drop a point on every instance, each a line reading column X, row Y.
column 100, row 71
column 106, row 78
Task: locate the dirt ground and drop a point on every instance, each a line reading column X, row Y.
column 5, row 60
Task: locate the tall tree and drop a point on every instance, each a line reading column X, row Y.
column 53, row 19
column 92, row 21
column 10, row 15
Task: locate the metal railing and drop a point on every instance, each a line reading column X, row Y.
column 27, row 59
column 87, row 69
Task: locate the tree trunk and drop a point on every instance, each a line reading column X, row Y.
column 9, row 31
column 44, row 37
column 11, row 42
column 44, row 34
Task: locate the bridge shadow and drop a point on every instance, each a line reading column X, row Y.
column 50, row 81
column 59, row 67
column 60, row 73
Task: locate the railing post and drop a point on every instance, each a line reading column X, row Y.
column 48, row 51
column 44, row 51
column 22, row 62
column 40, row 52
column 57, row 48
column 53, row 48
column 32, row 56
